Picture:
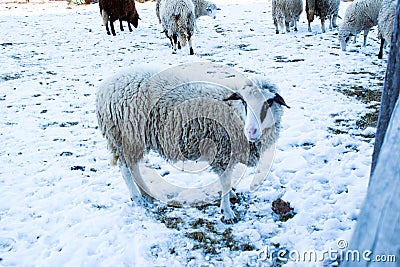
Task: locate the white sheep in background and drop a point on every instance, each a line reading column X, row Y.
column 201, row 8
column 286, row 12
column 204, row 8
column 178, row 20
column 137, row 115
column 324, row 9
column 385, row 23
column 361, row 15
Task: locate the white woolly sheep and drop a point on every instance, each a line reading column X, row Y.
column 324, row 9
column 361, row 15
column 201, row 8
column 122, row 10
column 178, row 20
column 137, row 114
column 385, row 23
column 286, row 12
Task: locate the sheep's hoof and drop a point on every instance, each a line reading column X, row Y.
column 295, row 29
column 229, row 217
column 277, row 32
column 174, row 52
column 229, row 221
column 191, row 51
column 233, row 198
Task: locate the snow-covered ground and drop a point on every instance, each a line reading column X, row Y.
column 62, row 204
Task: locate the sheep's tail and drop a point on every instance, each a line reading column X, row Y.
column 181, row 24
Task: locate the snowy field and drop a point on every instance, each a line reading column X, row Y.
column 62, row 204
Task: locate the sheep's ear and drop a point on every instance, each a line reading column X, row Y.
column 278, row 99
column 234, row 96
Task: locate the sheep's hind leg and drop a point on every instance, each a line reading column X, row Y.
column 228, row 215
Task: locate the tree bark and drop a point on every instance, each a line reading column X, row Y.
column 378, row 227
column 391, row 89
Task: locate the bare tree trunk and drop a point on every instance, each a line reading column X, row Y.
column 377, row 232
column 391, row 90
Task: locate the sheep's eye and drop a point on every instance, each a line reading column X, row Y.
column 264, row 110
column 209, row 9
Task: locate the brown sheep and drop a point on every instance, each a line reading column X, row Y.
column 122, row 10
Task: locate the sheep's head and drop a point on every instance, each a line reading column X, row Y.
column 344, row 37
column 210, row 10
column 258, row 116
column 133, row 18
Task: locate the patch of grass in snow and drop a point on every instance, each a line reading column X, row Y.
column 363, row 94
column 210, row 236
column 336, row 131
column 10, row 77
column 367, row 96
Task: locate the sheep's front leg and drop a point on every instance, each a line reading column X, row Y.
column 121, row 27
column 228, row 215
column 380, row 54
column 334, row 18
column 323, row 25
column 287, row 25
column 112, row 27
column 174, row 43
column 191, row 52
column 139, row 182
column 276, row 26
column 365, row 37
column 134, row 192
